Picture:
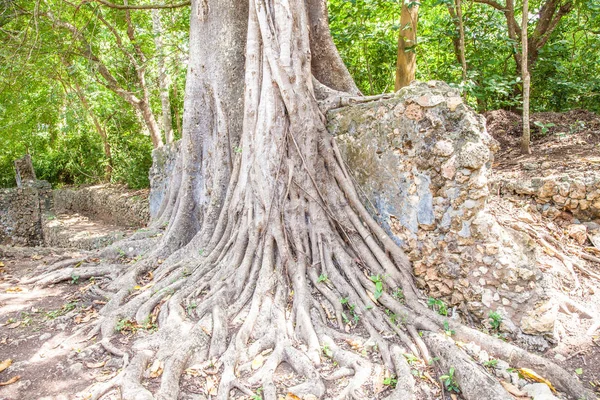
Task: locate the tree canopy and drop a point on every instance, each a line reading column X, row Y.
column 70, row 71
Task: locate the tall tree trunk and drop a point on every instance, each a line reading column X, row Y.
column 525, row 142
column 406, row 63
column 164, row 81
column 461, row 39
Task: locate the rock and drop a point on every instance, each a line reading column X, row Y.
column 473, row 155
column 76, row 368
column 560, row 357
column 443, row 148
column 45, row 336
column 577, row 232
column 114, row 363
column 541, row 320
column 539, row 391
column 591, row 226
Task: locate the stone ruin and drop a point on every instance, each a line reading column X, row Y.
column 422, row 161
column 24, row 172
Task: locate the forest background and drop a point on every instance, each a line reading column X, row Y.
column 89, row 90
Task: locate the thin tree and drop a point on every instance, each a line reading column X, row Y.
column 262, row 233
column 526, row 79
column 406, row 63
column 455, row 10
column 164, row 81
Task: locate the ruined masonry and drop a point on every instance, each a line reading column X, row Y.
column 422, row 160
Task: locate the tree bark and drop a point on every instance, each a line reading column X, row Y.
column 406, row 64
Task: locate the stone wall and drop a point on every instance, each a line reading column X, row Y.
column 577, row 192
column 113, row 204
column 21, row 211
column 422, row 160
column 163, row 163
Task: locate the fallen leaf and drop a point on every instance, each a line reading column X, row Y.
column 36, row 257
column 14, row 325
column 95, row 365
column 453, row 396
column 100, row 302
column 5, row 364
column 355, row 344
column 104, row 377
column 292, row 396
column 530, row 374
column 1, row 264
column 258, row 362
column 15, row 289
column 156, row 369
column 10, row 381
column 211, row 385
column 512, row 389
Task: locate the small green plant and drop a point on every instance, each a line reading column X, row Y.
column 447, row 330
column 201, row 252
column 492, row 362
column 257, row 395
column 327, row 351
column 495, row 320
column 398, row 294
column 411, row 358
column 121, row 252
column 376, row 279
column 438, row 305
column 352, row 308
column 191, row 307
column 322, row 278
column 390, row 381
column 449, row 381
column 74, row 279
column 238, row 150
column 544, row 128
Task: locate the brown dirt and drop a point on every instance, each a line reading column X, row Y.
column 571, row 144
column 37, row 327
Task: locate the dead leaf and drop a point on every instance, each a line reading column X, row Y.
column 156, row 369
column 104, row 377
column 5, row 364
column 100, row 302
column 292, row 396
column 1, row 264
column 530, row 374
column 36, row 257
column 14, row 325
column 95, row 365
column 355, row 344
column 211, row 386
column 10, row 381
column 512, row 389
column 258, row 362
column 15, row 289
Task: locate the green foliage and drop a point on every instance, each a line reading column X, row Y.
column 258, row 394
column 495, row 320
column 390, row 381
column 376, row 279
column 438, row 305
column 449, row 381
column 322, row 278
column 492, row 362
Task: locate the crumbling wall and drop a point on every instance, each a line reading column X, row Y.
column 422, row 160
column 577, row 192
column 21, row 212
column 164, row 162
column 114, row 204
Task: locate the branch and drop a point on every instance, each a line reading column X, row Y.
column 142, row 7
column 492, row 3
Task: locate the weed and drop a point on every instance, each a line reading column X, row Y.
column 447, row 329
column 438, row 305
column 327, row 351
column 449, row 381
column 74, row 279
column 390, row 381
column 322, row 278
column 258, row 395
column 398, row 294
column 376, row 279
column 492, row 362
column 495, row 320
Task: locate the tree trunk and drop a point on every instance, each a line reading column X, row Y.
column 525, row 142
column 266, row 235
column 164, row 82
column 406, row 64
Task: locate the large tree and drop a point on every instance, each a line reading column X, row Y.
column 261, row 209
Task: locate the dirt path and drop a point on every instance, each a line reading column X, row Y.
column 37, row 327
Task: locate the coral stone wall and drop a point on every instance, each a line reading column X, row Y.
column 422, row 161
